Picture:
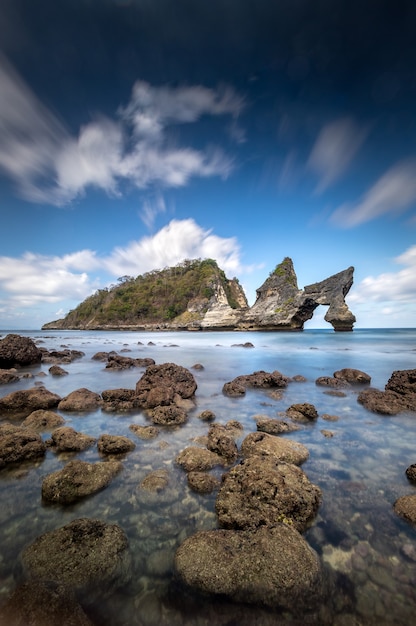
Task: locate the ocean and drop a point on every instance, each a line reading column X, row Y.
column 369, row 551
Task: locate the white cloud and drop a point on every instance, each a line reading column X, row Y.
column 390, row 286
column 394, row 192
column 179, row 240
column 334, row 149
column 50, row 165
column 33, row 279
column 36, row 278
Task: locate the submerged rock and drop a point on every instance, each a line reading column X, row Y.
column 8, row 376
column 261, row 491
column 77, row 480
column 88, row 556
column 144, row 432
column 382, row 402
column 43, row 604
column 273, row 567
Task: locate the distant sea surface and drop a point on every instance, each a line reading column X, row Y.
column 360, row 470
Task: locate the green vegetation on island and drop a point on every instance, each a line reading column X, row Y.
column 159, row 296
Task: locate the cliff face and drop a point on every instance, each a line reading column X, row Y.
column 280, row 305
column 196, row 295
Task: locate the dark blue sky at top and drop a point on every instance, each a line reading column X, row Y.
column 297, row 65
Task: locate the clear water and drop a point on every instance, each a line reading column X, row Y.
column 361, row 471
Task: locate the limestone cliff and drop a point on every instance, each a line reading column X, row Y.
column 281, row 305
column 196, row 295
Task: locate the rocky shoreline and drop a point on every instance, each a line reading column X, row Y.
column 264, row 503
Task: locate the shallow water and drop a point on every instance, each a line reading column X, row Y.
column 361, row 471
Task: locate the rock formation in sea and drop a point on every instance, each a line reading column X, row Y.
column 196, row 295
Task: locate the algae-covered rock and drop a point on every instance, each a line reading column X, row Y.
column 272, row 567
column 19, row 444
column 77, row 480
column 261, row 491
column 263, row 444
column 88, row 556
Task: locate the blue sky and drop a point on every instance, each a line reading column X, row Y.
column 137, row 133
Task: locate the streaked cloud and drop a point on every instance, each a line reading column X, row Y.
column 50, row 165
column 334, row 149
column 393, row 193
column 151, row 207
column 397, row 287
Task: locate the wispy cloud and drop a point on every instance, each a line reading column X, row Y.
column 394, row 192
column 334, row 149
column 33, row 278
column 48, row 164
column 151, row 207
column 390, row 286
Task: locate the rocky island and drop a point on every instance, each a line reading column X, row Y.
column 197, row 295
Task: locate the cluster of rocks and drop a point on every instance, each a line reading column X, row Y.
column 264, row 501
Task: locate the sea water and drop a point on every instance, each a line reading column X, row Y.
column 359, row 465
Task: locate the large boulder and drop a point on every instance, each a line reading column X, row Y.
column 115, row 361
column 302, row 412
column 19, row 444
column 281, row 449
column 81, row 400
column 119, row 400
column 274, row 426
column 42, row 420
column 23, row 402
column 405, row 507
column 43, row 604
column 161, row 384
column 353, row 376
column 8, row 376
column 18, row 351
column 399, row 394
column 272, row 567
column 114, row 444
column 77, row 480
column 195, row 459
column 403, row 382
column 88, row 556
column 261, row 491
column 382, row 402
column 257, row 380
column 66, row 439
